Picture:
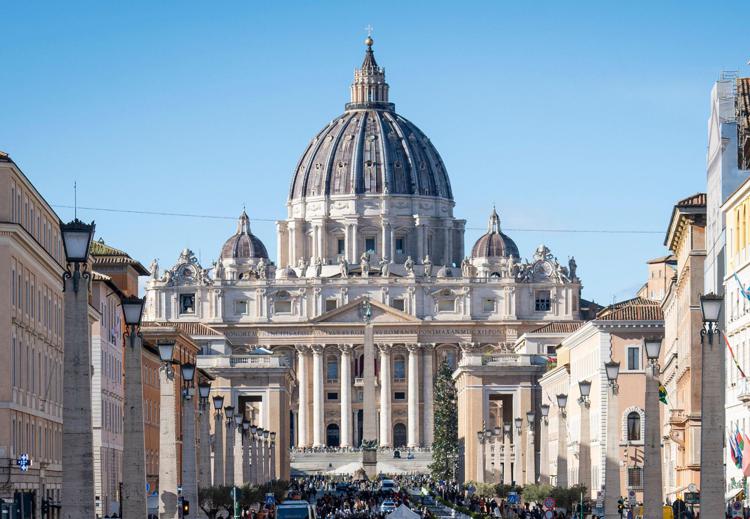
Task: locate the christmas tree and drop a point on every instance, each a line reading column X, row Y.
column 445, row 438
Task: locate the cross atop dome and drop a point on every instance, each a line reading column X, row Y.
column 369, row 89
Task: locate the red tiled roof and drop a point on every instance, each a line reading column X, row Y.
column 103, row 253
column 636, row 309
column 559, row 327
column 187, row 328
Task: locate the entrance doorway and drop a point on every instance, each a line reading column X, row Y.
column 332, row 435
column 399, row 435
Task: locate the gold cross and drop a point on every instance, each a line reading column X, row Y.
column 369, row 30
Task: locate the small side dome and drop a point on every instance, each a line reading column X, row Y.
column 243, row 244
column 494, row 244
column 286, row 273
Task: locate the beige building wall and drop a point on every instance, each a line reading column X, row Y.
column 680, row 359
column 31, row 337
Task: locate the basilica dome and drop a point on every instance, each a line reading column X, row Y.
column 370, row 149
column 243, row 244
column 494, row 243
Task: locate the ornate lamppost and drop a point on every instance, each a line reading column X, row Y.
column 78, row 452
column 712, row 407
column 612, row 461
column 261, row 473
column 272, row 457
column 218, row 441
column 134, row 499
column 652, row 487
column 245, row 450
column 562, row 441
column 518, row 458
column 189, row 459
column 530, row 454
column 544, row 456
column 167, row 433
column 254, row 478
column 229, row 452
column 204, row 454
column 584, row 441
column 267, row 457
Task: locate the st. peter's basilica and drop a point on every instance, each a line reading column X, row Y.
column 370, row 216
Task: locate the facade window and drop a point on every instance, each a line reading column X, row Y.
column 332, row 369
column 399, row 246
column 450, row 358
column 542, row 301
column 187, row 303
column 341, row 247
column 370, row 245
column 240, row 307
column 331, row 304
column 283, row 303
column 398, row 304
column 634, row 358
column 399, row 368
column 399, row 395
column 488, row 305
column 446, row 305
column 634, row 426
column 635, row 477
column 332, row 396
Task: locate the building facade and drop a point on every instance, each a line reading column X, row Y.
column 680, row 358
column 369, row 217
column 31, row 356
column 618, row 333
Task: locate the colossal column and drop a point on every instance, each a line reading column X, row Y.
column 318, row 416
column 386, row 429
column 413, row 390
column 428, row 352
column 346, row 394
column 302, row 423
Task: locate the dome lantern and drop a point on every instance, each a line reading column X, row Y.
column 369, row 89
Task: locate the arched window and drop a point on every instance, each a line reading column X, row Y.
column 399, row 368
column 634, row 426
column 332, row 369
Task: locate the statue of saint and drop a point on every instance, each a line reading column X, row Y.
column 154, row 268
column 364, row 263
column 409, row 266
column 572, row 267
column 427, row 266
column 385, row 267
column 318, row 266
column 343, row 267
column 262, row 267
column 466, row 268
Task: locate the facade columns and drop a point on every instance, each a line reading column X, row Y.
column 134, row 472
column 167, row 445
column 346, row 394
column 318, row 410
column 272, row 462
column 518, row 457
column 386, row 427
column 262, row 465
column 253, row 438
column 302, row 423
column 428, row 355
column 218, row 450
column 245, row 456
column 413, row 390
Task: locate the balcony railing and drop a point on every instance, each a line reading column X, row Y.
column 242, row 361
column 743, row 391
column 360, row 382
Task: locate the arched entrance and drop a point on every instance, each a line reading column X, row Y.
column 332, row 435
column 399, row 435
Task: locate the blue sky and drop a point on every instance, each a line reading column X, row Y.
column 567, row 115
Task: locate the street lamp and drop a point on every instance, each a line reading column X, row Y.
column 584, row 442
column 712, row 480
column 168, row 454
column 77, row 237
column 134, row 500
column 78, row 455
column 612, row 461
column 544, row 408
column 204, row 389
column 189, row 454
column 562, row 441
column 530, row 417
column 518, row 422
column 218, row 401
column 204, row 455
column 652, row 488
column 245, row 430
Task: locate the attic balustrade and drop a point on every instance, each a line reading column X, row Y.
column 243, row 361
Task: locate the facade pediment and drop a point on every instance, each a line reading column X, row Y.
column 352, row 313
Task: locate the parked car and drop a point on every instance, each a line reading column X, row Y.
column 387, row 506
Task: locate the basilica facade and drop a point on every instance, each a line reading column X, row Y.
column 370, row 216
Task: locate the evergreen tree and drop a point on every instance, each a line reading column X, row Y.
column 445, row 437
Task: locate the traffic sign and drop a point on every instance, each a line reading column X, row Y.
column 549, row 503
column 513, row 498
column 549, row 514
column 631, row 497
